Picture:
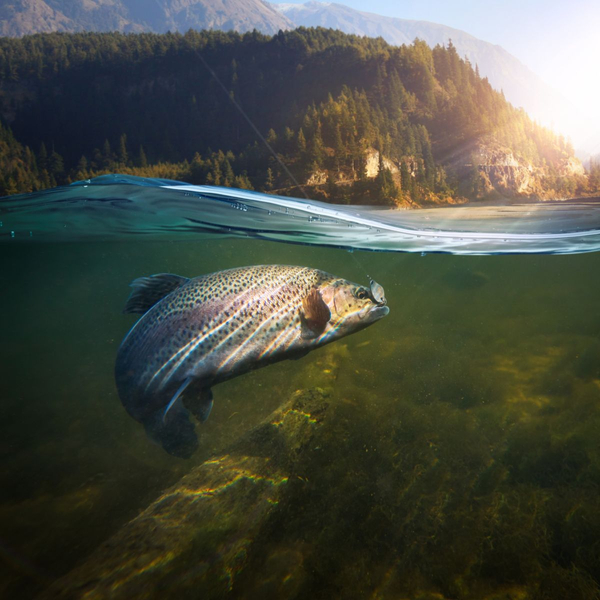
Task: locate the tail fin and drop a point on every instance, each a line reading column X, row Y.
column 173, row 432
column 147, row 291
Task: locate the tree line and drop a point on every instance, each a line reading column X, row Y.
column 257, row 112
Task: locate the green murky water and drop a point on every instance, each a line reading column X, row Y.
column 459, row 457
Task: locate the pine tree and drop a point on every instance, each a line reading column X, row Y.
column 142, row 160
column 339, row 148
column 316, row 152
column 272, row 138
column 107, row 155
column 228, row 174
column 123, row 156
column 43, row 157
column 82, row 169
column 331, row 188
column 301, row 142
column 215, row 173
column 56, row 165
column 406, row 180
column 270, row 180
column 10, row 187
column 288, row 137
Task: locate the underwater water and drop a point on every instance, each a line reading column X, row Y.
column 449, row 451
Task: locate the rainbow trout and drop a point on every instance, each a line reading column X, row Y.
column 195, row 333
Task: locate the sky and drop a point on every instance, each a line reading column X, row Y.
column 558, row 39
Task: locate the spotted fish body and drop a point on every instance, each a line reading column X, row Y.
column 195, row 333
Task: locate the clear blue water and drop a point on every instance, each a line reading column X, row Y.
column 448, row 451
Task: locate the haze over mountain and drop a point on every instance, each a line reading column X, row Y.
column 521, row 86
column 502, row 69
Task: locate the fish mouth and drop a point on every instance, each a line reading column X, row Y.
column 378, row 312
column 370, row 314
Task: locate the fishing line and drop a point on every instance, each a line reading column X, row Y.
column 262, row 139
column 250, row 122
column 361, row 266
column 248, row 119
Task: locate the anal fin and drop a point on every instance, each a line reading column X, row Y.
column 201, row 404
column 177, row 435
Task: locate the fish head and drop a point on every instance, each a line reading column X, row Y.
column 353, row 307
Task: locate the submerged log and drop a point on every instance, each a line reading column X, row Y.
column 196, row 537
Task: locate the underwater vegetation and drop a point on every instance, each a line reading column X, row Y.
column 450, row 452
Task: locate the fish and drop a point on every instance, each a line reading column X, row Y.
column 196, row 333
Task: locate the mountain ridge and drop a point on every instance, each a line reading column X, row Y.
column 521, row 86
column 24, row 17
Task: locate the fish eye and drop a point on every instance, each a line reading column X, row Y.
column 361, row 294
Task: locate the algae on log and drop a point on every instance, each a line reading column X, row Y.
column 195, row 538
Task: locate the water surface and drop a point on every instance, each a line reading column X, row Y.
column 117, row 207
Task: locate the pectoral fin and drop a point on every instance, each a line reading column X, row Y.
column 175, row 397
column 314, row 315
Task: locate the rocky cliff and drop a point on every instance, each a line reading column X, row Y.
column 502, row 173
column 490, row 171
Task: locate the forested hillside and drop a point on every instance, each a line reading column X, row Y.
column 349, row 119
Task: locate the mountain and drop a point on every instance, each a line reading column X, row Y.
column 521, row 86
column 22, row 17
column 502, row 69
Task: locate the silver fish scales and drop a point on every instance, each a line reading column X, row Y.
column 196, row 333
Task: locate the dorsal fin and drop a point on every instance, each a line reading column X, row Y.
column 147, row 291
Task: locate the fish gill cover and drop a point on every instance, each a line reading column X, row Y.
column 121, row 207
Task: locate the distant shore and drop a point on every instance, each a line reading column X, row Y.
column 520, row 201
